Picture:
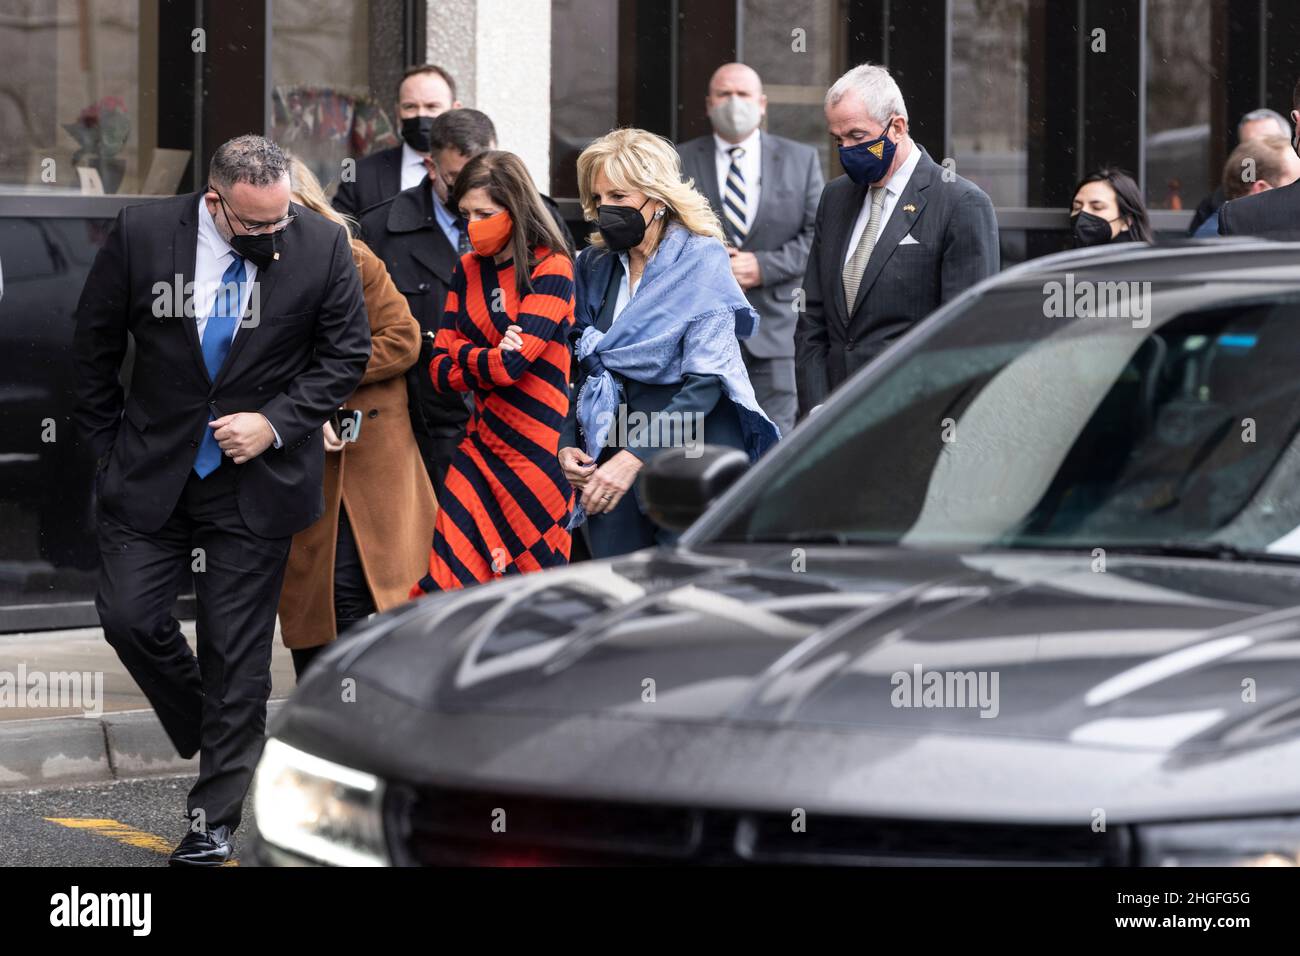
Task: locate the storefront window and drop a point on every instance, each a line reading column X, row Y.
column 1178, row 96
column 322, row 104
column 988, row 96
column 584, row 83
column 797, row 65
column 75, row 115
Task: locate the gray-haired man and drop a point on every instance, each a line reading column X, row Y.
column 895, row 238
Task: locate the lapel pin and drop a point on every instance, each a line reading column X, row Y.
column 275, row 256
column 909, row 208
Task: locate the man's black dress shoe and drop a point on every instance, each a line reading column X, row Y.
column 204, row 849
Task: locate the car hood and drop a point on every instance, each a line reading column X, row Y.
column 1170, row 663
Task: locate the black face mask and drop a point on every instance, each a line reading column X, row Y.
column 1090, row 230
column 261, row 251
column 416, row 130
column 620, row 226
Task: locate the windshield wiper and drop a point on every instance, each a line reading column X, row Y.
column 1217, row 550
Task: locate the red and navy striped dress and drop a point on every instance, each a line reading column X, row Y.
column 507, row 501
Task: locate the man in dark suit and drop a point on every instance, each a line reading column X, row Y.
column 764, row 190
column 1268, row 213
column 895, row 238
column 1254, row 125
column 424, row 93
column 421, row 239
column 249, row 329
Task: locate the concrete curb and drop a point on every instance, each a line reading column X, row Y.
column 59, row 751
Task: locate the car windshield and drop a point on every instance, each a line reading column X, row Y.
column 1170, row 426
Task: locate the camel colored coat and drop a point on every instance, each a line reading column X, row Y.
column 380, row 479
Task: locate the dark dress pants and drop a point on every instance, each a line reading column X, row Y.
column 214, row 704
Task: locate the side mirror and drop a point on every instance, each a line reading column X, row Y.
column 679, row 484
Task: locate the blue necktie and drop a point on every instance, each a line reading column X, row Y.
column 216, row 346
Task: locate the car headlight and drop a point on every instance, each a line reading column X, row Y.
column 319, row 809
column 1271, row 841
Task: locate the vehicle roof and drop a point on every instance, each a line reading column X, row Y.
column 1237, row 257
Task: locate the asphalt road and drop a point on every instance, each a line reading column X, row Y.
column 129, row 823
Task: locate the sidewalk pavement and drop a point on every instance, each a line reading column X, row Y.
column 48, row 746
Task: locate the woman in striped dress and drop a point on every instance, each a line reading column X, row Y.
column 504, row 338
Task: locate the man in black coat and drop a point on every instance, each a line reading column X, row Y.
column 894, row 239
column 424, row 93
column 249, row 329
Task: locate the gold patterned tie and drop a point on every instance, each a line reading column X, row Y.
column 857, row 263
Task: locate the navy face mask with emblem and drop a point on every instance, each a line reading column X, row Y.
column 869, row 162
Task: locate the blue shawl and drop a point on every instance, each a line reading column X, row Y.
column 685, row 318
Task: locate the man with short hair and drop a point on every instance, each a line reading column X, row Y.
column 250, row 329
column 1252, row 125
column 424, row 93
column 895, row 238
column 764, row 190
column 1259, row 164
column 1270, row 213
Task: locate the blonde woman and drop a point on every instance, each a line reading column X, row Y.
column 373, row 537
column 657, row 321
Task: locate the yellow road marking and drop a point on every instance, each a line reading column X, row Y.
column 121, row 833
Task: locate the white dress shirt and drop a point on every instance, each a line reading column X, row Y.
column 413, row 168
column 750, row 166
column 625, row 289
column 212, row 257
column 893, row 189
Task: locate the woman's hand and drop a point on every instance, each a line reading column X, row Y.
column 332, row 441
column 511, row 341
column 610, row 482
column 577, row 465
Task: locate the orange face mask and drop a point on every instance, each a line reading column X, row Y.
column 489, row 236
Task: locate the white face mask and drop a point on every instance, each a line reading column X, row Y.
column 735, row 117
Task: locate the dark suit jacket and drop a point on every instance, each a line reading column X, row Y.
column 379, row 177
column 299, row 362
column 782, row 231
column 403, row 231
column 1272, row 214
column 956, row 246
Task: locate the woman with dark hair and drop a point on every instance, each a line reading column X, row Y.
column 506, row 504
column 1108, row 207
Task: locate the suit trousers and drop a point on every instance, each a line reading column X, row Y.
column 214, row 704
column 774, row 387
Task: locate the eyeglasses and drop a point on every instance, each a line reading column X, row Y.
column 255, row 228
